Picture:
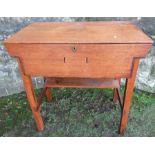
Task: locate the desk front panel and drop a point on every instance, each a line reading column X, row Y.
column 78, row 60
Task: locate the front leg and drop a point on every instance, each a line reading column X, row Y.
column 128, row 96
column 31, row 98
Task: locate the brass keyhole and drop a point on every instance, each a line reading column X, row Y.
column 74, row 49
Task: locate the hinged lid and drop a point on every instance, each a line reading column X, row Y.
column 81, row 32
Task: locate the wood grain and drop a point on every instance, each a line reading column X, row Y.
column 87, row 61
column 32, row 98
column 80, row 32
column 81, row 83
column 128, row 97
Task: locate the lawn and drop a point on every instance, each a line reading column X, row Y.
column 78, row 112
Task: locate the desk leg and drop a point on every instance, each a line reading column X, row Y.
column 48, row 93
column 115, row 94
column 31, row 98
column 128, row 96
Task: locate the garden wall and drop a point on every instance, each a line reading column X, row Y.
column 10, row 80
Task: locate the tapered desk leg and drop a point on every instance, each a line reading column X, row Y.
column 32, row 98
column 115, row 94
column 128, row 97
column 48, row 93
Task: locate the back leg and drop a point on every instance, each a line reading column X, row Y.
column 48, row 94
column 115, row 94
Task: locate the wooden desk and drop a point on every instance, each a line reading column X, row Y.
column 79, row 54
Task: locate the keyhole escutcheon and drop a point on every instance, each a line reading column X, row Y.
column 74, row 49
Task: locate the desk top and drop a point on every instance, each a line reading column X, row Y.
column 81, row 32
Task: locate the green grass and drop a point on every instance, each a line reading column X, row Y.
column 78, row 112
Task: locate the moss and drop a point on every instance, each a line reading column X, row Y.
column 77, row 112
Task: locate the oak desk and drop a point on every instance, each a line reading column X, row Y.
column 79, row 54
